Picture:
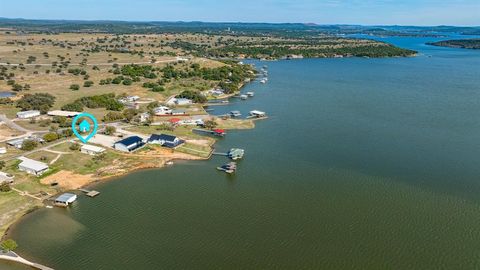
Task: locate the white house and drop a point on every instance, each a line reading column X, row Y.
column 3, row 150
column 28, row 114
column 162, row 110
column 129, row 99
column 32, row 166
column 179, row 101
column 6, row 178
column 91, row 150
column 144, row 117
column 63, row 113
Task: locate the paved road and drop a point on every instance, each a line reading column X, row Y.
column 12, row 124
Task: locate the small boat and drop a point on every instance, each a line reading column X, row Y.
column 263, row 81
column 235, row 153
column 169, row 163
column 235, row 114
column 243, row 97
column 250, row 94
column 49, row 206
column 229, row 168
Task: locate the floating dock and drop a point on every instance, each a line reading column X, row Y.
column 228, row 168
column 90, row 193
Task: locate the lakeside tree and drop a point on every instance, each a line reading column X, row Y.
column 8, row 245
column 210, row 124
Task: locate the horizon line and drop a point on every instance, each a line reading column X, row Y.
column 236, row 22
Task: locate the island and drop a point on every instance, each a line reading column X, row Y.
column 458, row 43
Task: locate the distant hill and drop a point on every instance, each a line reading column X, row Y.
column 458, row 43
column 234, row 28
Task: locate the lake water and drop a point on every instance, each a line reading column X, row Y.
column 363, row 164
column 6, row 94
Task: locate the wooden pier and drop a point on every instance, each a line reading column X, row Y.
column 90, row 193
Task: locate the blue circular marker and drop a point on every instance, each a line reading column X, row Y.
column 84, row 126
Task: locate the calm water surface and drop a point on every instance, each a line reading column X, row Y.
column 363, row 164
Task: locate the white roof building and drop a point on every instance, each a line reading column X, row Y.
column 63, row 113
column 92, row 150
column 32, row 166
column 28, row 114
column 179, row 101
column 3, row 150
column 162, row 110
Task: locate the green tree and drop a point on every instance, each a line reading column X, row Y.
column 5, row 187
column 8, row 245
column 29, row 145
column 2, row 164
column 74, row 87
column 210, row 124
column 50, row 137
column 87, row 84
column 110, row 130
column 74, row 147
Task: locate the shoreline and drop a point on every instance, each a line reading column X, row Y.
column 10, row 226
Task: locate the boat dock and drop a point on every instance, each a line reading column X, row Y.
column 90, row 193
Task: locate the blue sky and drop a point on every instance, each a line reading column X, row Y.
column 402, row 12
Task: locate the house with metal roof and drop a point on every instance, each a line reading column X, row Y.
column 32, row 166
column 129, row 144
column 63, row 113
column 28, row 114
column 92, row 150
column 165, row 140
column 65, row 199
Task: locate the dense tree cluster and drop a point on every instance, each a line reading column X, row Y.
column 195, row 96
column 39, row 101
column 108, row 101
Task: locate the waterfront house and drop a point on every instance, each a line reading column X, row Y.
column 65, row 199
column 32, row 166
column 165, row 140
column 28, row 114
column 129, row 144
column 92, row 150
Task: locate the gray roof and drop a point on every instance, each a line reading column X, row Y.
column 65, row 197
column 32, row 164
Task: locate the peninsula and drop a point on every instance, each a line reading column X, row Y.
column 458, row 43
column 141, row 82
